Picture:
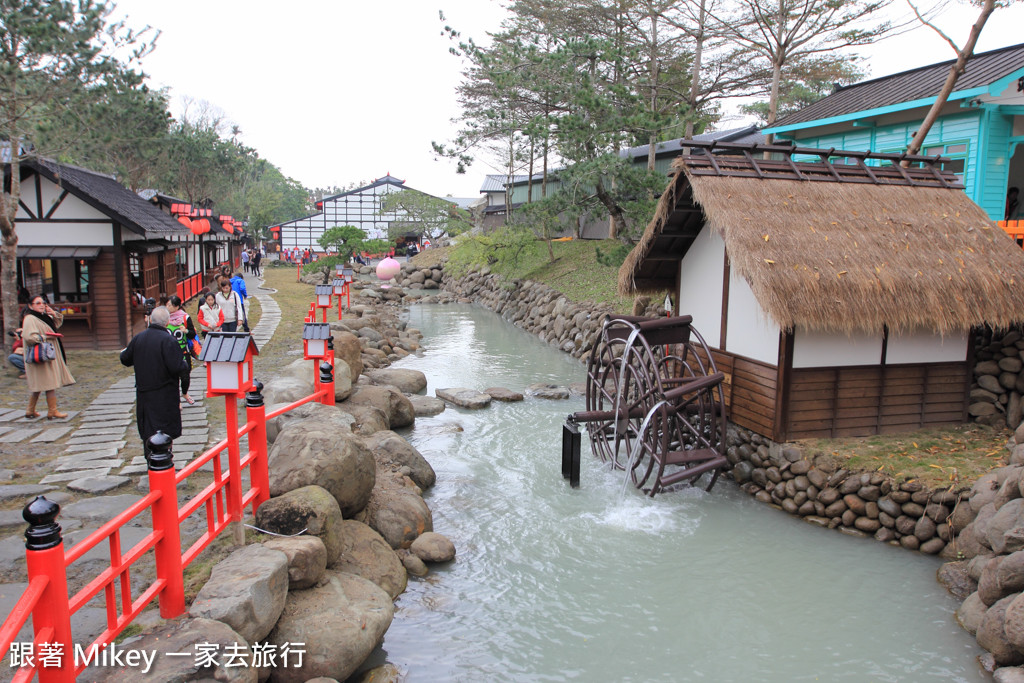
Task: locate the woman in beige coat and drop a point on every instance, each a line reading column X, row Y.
column 40, row 325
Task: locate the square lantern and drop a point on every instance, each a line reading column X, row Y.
column 228, row 357
column 338, row 268
column 314, row 341
column 348, row 274
column 323, row 295
column 339, row 286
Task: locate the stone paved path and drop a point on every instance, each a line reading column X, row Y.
column 93, row 460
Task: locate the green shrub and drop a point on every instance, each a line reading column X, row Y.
column 614, row 256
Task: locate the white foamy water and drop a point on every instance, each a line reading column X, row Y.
column 590, row 584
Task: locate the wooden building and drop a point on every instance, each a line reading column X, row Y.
column 87, row 243
column 979, row 130
column 838, row 294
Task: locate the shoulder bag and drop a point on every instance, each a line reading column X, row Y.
column 42, row 352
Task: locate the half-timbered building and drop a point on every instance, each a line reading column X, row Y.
column 89, row 244
column 837, row 294
column 360, row 207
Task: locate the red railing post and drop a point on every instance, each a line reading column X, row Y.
column 327, row 383
column 298, row 271
column 259, row 469
column 234, row 483
column 165, row 521
column 44, row 556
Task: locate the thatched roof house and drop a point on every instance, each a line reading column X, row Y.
column 850, row 261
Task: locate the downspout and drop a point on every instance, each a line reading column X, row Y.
column 119, row 279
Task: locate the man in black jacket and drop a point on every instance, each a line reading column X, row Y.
column 158, row 363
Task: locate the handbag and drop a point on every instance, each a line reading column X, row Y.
column 42, row 352
column 245, row 318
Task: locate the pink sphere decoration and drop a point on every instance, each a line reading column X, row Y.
column 388, row 268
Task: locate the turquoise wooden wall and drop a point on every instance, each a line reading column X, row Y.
column 985, row 132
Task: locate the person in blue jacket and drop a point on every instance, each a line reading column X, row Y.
column 238, row 285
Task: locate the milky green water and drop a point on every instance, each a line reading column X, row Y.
column 594, row 584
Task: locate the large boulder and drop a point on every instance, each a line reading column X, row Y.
column 340, row 622
column 389, row 448
column 287, row 389
column 310, row 452
column 183, row 635
column 992, row 634
column 348, row 350
column 311, row 509
column 392, row 402
column 342, row 381
column 366, row 420
column 406, row 381
column 971, row 613
column 426, row 406
column 464, row 397
column 365, row 553
column 301, row 369
column 307, row 559
column 396, row 510
column 307, row 411
column 246, row 591
column 433, row 547
column 1007, row 517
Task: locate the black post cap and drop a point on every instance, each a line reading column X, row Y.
column 43, row 531
column 254, row 397
column 159, row 456
column 326, row 372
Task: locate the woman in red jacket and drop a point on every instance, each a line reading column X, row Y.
column 211, row 317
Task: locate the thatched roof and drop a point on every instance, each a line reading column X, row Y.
column 840, row 256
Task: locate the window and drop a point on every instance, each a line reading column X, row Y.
column 957, row 154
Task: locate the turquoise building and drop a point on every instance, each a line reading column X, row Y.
column 979, row 129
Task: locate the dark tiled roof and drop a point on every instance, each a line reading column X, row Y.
column 924, row 82
column 745, row 135
column 227, row 347
column 386, row 180
column 324, row 289
column 107, row 195
column 316, row 331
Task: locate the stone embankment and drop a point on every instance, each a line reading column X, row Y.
column 816, row 488
column 998, row 385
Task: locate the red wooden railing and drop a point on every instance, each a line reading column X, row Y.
column 46, row 598
column 190, row 286
column 1014, row 229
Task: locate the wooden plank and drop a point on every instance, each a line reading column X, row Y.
column 820, row 414
column 753, row 383
column 750, row 367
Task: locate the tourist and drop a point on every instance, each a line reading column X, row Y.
column 210, row 316
column 158, row 364
column 181, row 328
column 40, row 327
column 17, row 357
column 254, row 265
column 230, row 306
column 245, row 260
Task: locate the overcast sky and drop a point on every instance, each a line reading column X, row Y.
column 338, row 91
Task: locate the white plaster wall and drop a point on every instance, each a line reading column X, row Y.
column 750, row 333
column 812, row 349
column 65, row 234
column 700, row 285
column 70, row 207
column 921, row 346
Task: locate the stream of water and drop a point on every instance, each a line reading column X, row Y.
column 555, row 584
